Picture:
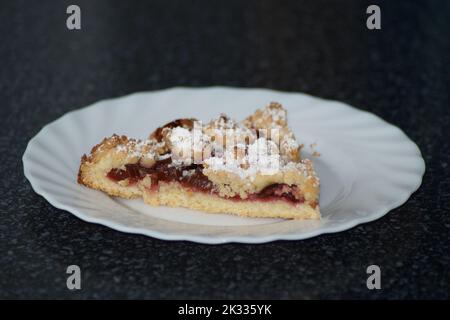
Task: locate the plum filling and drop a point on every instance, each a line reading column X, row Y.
column 280, row 190
column 192, row 177
column 189, row 176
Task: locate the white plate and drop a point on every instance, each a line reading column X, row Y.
column 367, row 166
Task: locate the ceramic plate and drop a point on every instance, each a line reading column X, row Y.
column 366, row 166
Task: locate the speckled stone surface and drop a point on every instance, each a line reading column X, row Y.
column 400, row 73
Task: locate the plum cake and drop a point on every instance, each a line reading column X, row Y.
column 251, row 168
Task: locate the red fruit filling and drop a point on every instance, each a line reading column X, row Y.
column 193, row 178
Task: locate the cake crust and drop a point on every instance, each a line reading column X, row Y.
column 175, row 195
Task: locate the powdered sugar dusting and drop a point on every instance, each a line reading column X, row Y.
column 277, row 113
column 261, row 145
column 136, row 148
column 260, row 157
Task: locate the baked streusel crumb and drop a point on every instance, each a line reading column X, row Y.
column 250, row 168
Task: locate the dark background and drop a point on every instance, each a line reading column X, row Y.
column 323, row 48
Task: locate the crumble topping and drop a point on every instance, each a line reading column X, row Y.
column 238, row 158
column 272, row 116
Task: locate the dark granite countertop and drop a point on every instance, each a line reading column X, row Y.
column 323, row 48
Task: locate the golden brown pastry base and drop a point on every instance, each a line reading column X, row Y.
column 174, row 195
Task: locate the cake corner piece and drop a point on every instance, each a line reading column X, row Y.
column 255, row 172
